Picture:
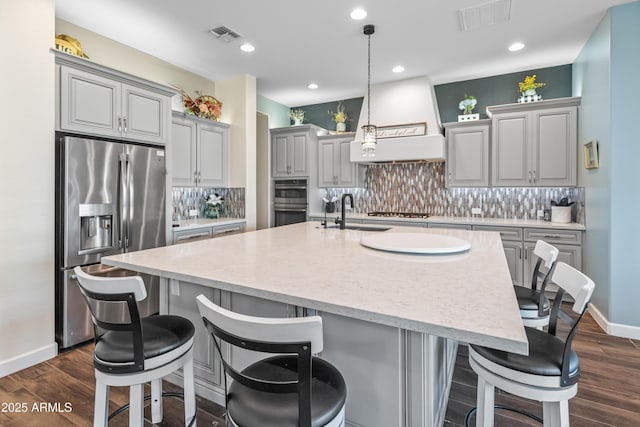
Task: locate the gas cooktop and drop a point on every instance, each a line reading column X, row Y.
column 400, row 214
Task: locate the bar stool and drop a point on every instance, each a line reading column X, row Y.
column 533, row 303
column 134, row 351
column 292, row 389
column 551, row 371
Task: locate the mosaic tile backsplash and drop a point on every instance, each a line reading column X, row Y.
column 420, row 187
column 187, row 198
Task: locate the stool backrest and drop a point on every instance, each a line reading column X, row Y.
column 580, row 287
column 299, row 335
column 547, row 255
column 122, row 291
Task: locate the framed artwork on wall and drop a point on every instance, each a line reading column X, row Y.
column 591, row 155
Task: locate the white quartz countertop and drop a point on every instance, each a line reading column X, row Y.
column 192, row 224
column 510, row 222
column 468, row 296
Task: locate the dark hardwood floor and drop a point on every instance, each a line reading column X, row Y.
column 608, row 393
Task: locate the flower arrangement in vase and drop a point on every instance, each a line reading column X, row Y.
column 297, row 116
column 214, row 202
column 467, row 105
column 205, row 106
column 340, row 117
column 528, row 89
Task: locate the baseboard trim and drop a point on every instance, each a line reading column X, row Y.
column 27, row 360
column 615, row 329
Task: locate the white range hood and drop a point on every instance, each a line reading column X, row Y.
column 396, row 104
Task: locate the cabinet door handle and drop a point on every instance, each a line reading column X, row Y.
column 195, row 177
column 548, row 236
column 520, row 253
column 529, row 177
column 192, row 236
column 125, row 124
column 450, row 176
column 534, row 176
column 526, row 252
column 119, row 124
column 228, row 230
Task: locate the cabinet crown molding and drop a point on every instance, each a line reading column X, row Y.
column 526, row 106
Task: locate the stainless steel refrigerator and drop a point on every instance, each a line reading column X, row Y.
column 110, row 198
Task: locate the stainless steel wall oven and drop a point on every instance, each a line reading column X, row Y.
column 290, row 201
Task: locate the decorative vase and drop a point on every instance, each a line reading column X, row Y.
column 297, row 122
column 530, row 92
column 212, row 212
column 341, row 127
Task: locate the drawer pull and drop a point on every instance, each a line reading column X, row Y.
column 228, row 230
column 192, row 236
column 550, row 236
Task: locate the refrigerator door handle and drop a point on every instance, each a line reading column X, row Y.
column 123, row 200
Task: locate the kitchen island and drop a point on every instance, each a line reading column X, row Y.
column 392, row 321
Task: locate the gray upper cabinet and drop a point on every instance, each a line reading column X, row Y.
column 290, row 150
column 200, row 153
column 534, row 144
column 467, row 154
column 95, row 100
column 334, row 165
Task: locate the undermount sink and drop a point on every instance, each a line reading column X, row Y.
column 360, row 227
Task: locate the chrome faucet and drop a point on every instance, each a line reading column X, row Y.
column 343, row 221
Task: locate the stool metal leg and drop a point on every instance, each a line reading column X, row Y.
column 136, row 405
column 156, row 401
column 189, row 389
column 101, row 405
column 484, row 403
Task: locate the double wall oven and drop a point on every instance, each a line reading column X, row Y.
column 290, row 201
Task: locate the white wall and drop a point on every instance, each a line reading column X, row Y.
column 242, row 146
column 27, row 185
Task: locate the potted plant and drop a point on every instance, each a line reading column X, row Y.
column 297, row 116
column 468, row 104
column 340, row 117
column 529, row 85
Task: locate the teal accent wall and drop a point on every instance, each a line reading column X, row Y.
column 318, row 114
column 591, row 79
column 278, row 113
column 605, row 75
column 502, row 89
column 625, row 173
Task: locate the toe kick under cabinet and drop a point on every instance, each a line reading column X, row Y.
column 519, row 244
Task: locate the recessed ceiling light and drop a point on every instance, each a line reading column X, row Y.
column 312, row 86
column 247, row 47
column 516, row 47
column 358, row 14
column 398, row 69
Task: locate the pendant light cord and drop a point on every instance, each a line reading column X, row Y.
column 369, row 80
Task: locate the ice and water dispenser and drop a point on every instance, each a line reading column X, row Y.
column 96, row 231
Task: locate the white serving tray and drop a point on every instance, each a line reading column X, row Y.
column 415, row 243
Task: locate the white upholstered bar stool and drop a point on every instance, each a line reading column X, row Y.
column 550, row 372
column 133, row 351
column 533, row 303
column 291, row 389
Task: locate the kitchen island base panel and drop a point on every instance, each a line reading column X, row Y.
column 394, row 377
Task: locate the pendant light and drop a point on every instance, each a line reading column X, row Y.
column 369, row 131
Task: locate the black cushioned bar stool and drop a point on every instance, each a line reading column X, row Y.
column 533, row 303
column 134, row 351
column 550, row 372
column 291, row 389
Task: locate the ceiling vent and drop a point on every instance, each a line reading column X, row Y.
column 224, row 34
column 484, row 15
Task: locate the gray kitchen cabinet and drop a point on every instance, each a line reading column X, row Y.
column 290, row 150
column 519, row 244
column 467, row 154
column 207, row 231
column 95, row 100
column 181, row 301
column 334, row 165
column 534, row 144
column 199, row 152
